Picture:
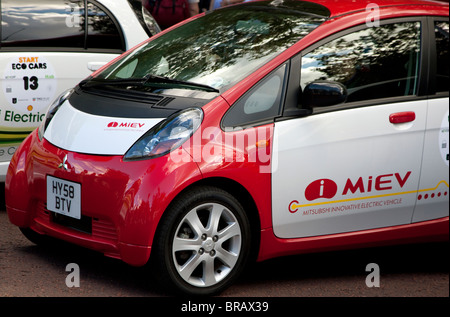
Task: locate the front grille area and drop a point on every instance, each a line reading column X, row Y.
column 83, row 225
column 98, row 228
column 104, row 229
column 42, row 213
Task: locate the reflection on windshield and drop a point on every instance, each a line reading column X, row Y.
column 222, row 47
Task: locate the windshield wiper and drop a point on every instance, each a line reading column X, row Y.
column 119, row 81
column 144, row 80
column 162, row 79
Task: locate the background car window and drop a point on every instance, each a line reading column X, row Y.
column 260, row 104
column 58, row 24
column 441, row 30
column 102, row 31
column 377, row 62
column 45, row 23
column 147, row 21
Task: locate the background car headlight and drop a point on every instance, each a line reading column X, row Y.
column 167, row 135
column 52, row 110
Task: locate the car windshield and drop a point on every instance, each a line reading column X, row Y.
column 215, row 51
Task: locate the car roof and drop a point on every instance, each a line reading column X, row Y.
column 344, row 7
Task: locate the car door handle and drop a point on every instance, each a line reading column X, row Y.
column 93, row 66
column 402, row 117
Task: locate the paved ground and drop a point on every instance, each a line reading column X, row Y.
column 405, row 271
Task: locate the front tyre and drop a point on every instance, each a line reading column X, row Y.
column 203, row 242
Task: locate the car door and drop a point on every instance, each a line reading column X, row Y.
column 356, row 165
column 432, row 201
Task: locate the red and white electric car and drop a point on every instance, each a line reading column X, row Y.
column 253, row 131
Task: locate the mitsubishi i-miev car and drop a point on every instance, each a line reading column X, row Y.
column 254, row 131
column 48, row 46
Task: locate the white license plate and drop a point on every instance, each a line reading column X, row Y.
column 64, row 197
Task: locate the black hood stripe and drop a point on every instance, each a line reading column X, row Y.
column 121, row 105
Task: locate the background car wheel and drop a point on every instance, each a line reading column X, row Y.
column 203, row 242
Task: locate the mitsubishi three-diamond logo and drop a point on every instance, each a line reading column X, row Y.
column 64, row 163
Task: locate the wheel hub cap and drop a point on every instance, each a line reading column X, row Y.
column 208, row 245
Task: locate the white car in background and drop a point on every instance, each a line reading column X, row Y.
column 48, row 46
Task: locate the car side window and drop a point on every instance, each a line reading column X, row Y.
column 441, row 30
column 102, row 31
column 45, row 23
column 58, row 24
column 261, row 103
column 372, row 63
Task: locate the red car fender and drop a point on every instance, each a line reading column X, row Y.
column 243, row 156
column 147, row 198
column 15, row 182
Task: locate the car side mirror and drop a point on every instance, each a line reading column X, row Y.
column 323, row 94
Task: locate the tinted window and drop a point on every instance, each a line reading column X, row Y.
column 261, row 103
column 44, row 23
column 145, row 18
column 441, row 32
column 102, row 31
column 373, row 63
column 57, row 24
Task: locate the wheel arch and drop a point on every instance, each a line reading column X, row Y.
column 238, row 191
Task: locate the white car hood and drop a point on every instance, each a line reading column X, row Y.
column 76, row 131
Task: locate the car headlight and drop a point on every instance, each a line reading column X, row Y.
column 167, row 135
column 52, row 110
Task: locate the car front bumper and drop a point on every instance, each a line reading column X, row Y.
column 121, row 202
